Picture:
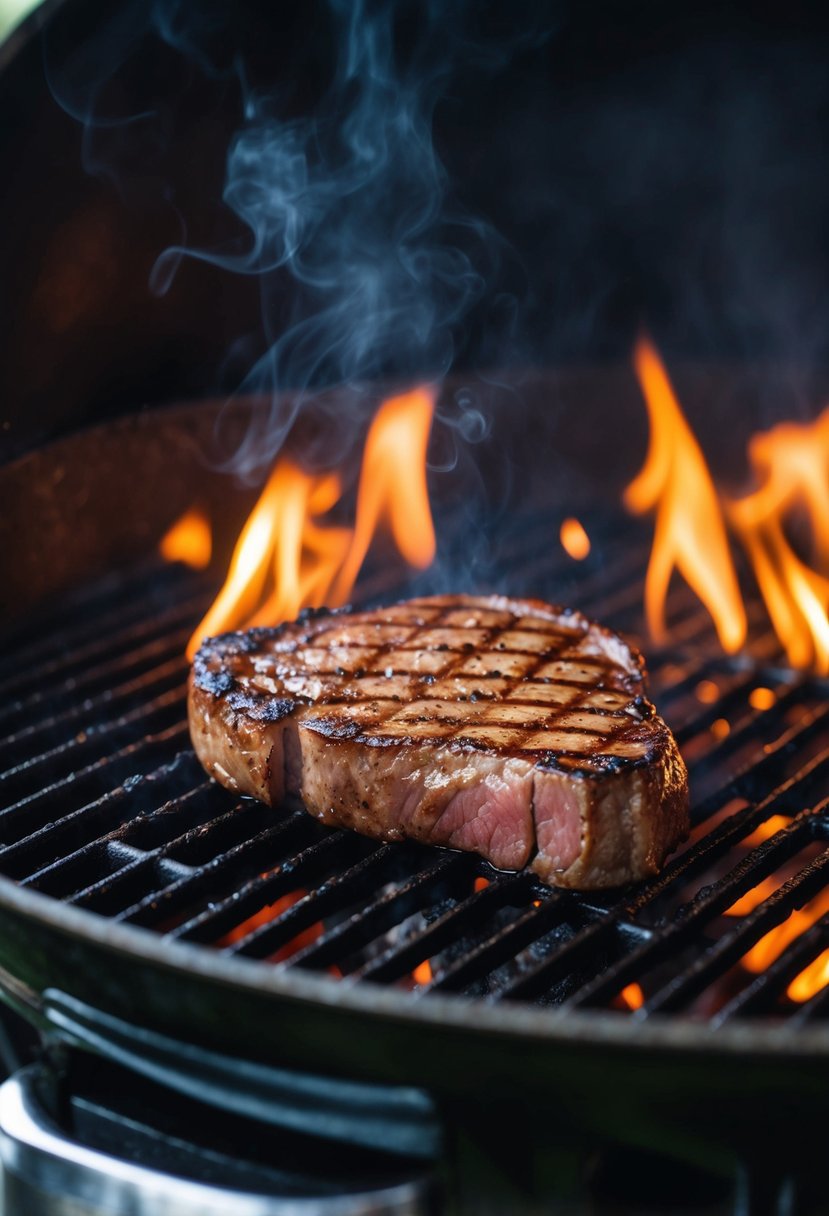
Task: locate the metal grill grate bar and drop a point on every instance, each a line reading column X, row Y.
column 448, row 930
column 340, row 885
column 33, row 741
column 256, row 850
column 93, row 745
column 49, row 699
column 57, row 840
column 241, row 827
column 104, row 636
column 767, row 987
column 730, row 948
column 388, row 911
column 479, row 961
column 632, row 966
column 712, row 900
column 71, row 792
column 66, row 877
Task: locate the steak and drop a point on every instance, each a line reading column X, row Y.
column 509, row 728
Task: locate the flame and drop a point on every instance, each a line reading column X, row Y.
column 189, row 540
column 422, row 973
column 574, row 539
column 286, row 558
column 690, row 532
column 764, row 952
column 393, row 486
column 791, row 463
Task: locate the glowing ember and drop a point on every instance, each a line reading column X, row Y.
column 188, row 540
column 720, row 728
column 772, row 945
column 767, row 829
column 707, row 692
column 690, row 533
column 753, row 898
column 761, row 698
column 422, row 973
column 481, row 884
column 574, row 539
column 810, row 980
column 264, row 917
column 632, row 996
column 287, row 558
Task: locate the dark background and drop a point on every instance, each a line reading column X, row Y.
column 645, row 164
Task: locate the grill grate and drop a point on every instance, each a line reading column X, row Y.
column 105, row 807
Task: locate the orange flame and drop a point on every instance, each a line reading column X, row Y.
column 574, row 540
column 690, row 533
column 810, row 980
column 764, row 952
column 287, row 559
column 188, row 540
column 767, row 829
column 752, row 898
column 772, row 944
column 791, row 463
column 393, row 486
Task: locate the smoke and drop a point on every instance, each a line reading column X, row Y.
column 409, row 189
column 368, row 264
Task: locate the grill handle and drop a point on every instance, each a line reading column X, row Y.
column 45, row 1173
column 400, row 1120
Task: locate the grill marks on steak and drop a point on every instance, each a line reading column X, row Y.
column 510, row 728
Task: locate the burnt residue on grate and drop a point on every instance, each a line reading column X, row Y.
column 104, row 806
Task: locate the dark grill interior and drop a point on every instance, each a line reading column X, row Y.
column 105, row 807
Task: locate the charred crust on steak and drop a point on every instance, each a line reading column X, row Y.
column 219, row 683
column 314, row 614
column 264, row 709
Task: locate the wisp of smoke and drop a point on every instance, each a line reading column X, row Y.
column 367, row 262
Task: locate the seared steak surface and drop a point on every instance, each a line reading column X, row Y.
column 509, row 728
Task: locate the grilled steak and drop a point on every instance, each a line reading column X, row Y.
column 505, row 727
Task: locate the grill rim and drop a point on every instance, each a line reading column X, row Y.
column 549, row 1026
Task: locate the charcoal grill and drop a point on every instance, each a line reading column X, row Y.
column 261, row 962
